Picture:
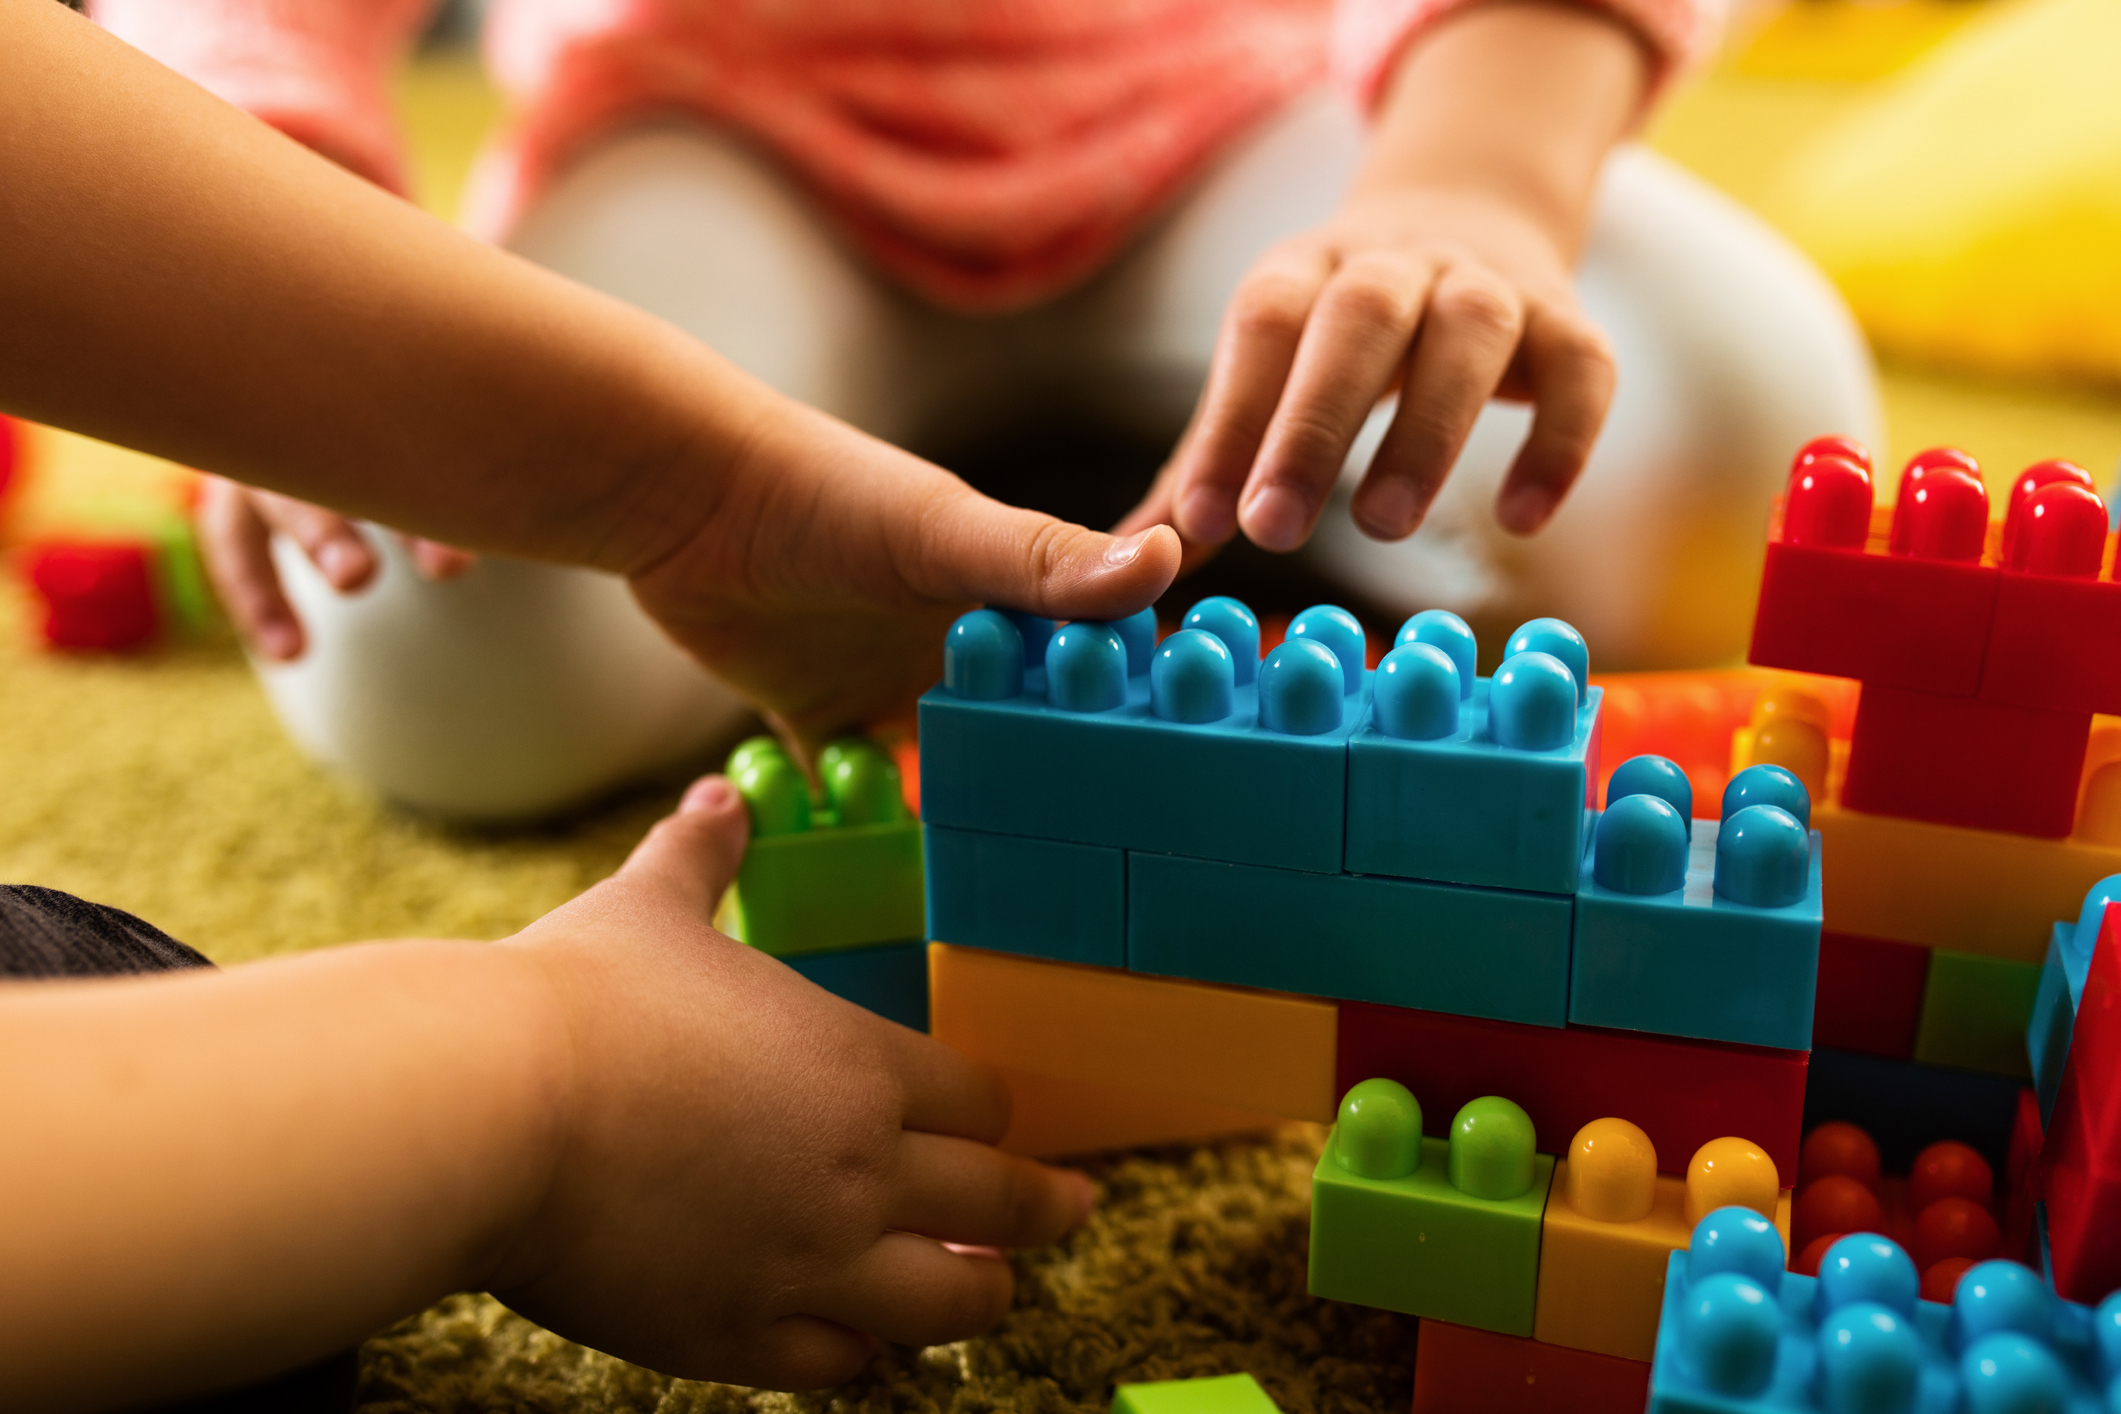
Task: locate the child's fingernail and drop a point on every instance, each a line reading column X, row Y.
column 1525, row 508
column 967, row 1249
column 1389, row 510
column 1123, row 552
column 708, row 793
column 339, row 561
column 1277, row 515
column 278, row 641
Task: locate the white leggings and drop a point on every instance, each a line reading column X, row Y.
column 522, row 689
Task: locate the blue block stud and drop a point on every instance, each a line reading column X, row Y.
column 1866, row 1267
column 1037, row 632
column 983, row 657
column 1192, row 678
column 1768, row 785
column 1641, row 846
column 2106, row 1330
column 1230, row 621
column 1532, row 703
column 1870, row 1360
column 1652, row 775
column 1416, row 694
column 1739, row 1240
column 2092, row 916
column 1763, row 858
column 1440, row 628
column 1558, row 640
column 1138, row 632
column 1086, row 668
column 2002, row 1296
column 2010, row 1374
column 1729, row 1328
column 1338, row 630
column 1300, row 689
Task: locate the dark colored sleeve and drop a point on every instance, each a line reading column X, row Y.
column 45, row 933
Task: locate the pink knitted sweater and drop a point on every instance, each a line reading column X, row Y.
column 988, row 153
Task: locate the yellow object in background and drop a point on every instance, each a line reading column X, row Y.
column 1849, row 41
column 1970, row 211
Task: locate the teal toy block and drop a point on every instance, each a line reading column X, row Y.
column 1179, row 755
column 1711, row 932
column 1402, row 942
column 1465, row 808
column 1222, row 1394
column 1740, row 1335
column 2061, row 989
column 1445, row 1229
column 1040, row 898
column 891, row 981
column 839, row 871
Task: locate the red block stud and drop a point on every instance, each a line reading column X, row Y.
column 1834, row 1203
column 2080, row 1165
column 95, row 596
column 1949, row 1169
column 1932, row 458
column 1942, row 514
column 1940, row 1280
column 1847, row 448
column 2060, row 530
column 1955, row 1227
column 1838, row 1148
column 1828, row 504
column 2030, row 480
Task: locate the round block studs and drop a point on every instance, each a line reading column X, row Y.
column 1763, row 858
column 1300, row 692
column 1138, row 632
column 1086, row 668
column 1728, row 1327
column 1768, row 785
column 1652, row 775
column 1640, row 847
column 861, row 782
column 1229, row 620
column 1443, row 629
column 1560, row 639
column 1731, row 1172
column 1870, row 1361
column 1736, row 1239
column 1612, row 1172
column 1379, row 1130
column 1866, row 1267
column 983, row 657
column 2001, row 1296
column 1192, row 678
column 1492, row 1144
column 1416, row 693
column 2011, row 1374
column 1338, row 630
column 1532, row 703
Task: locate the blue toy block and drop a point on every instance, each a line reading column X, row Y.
column 1402, row 942
column 2068, row 963
column 1077, row 749
column 1739, row 1335
column 1906, row 1106
column 1463, row 808
column 891, row 980
column 1711, row 932
column 1040, row 898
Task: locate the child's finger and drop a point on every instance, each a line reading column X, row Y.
column 913, row 1291
column 1257, row 347
column 694, row 853
column 436, row 560
column 966, row 546
column 328, row 539
column 1569, row 369
column 802, row 1352
column 237, row 548
column 1469, row 334
column 1353, row 348
column 959, row 1191
column 944, row 1093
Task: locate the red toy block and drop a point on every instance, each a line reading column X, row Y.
column 2080, row 1165
column 1458, row 1369
column 2021, row 1181
column 1963, row 761
column 1682, row 1093
column 96, row 596
column 10, row 454
column 2051, row 644
column 1870, row 995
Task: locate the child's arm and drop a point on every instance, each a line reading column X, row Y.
column 633, row 1130
column 1444, row 278
column 177, row 277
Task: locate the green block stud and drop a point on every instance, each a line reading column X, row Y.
column 1975, row 1011
column 1223, row 1394
column 838, row 870
column 1446, row 1229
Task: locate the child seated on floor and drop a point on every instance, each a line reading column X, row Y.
column 933, row 218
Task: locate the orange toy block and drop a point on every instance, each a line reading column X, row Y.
column 1612, row 1222
column 1050, row 1117
column 1458, row 1370
column 1260, row 1053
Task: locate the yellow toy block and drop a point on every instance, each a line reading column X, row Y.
column 1261, row 1053
column 1049, row 1117
column 1611, row 1222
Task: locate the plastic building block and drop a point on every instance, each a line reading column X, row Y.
column 891, row 981
column 1043, row 898
column 1681, row 1093
column 1078, row 750
column 2080, row 1166
column 1253, row 1051
column 1435, row 791
column 1610, row 1223
column 1963, row 761
column 1223, row 1394
column 1050, row 1117
column 1428, row 1227
column 1740, row 1334
column 1458, row 1368
column 843, row 872
column 1443, row 947
column 2052, row 602
column 1870, row 993
column 2061, row 990
column 1714, row 935
column 1905, row 1106
column 2021, row 1180
column 96, row 597
column 10, row 455
column 1975, row 1013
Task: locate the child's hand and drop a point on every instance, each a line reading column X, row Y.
column 1443, row 280
column 751, row 1177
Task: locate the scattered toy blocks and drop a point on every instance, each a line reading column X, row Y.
column 1443, row 947
column 1681, row 1093
column 1223, row 1394
column 891, row 980
column 95, row 596
column 2080, row 1166
column 1432, row 1228
column 1975, row 1012
column 843, row 872
column 1459, row 1369
column 1042, row 898
column 1254, row 1051
column 1963, row 761
column 1870, row 993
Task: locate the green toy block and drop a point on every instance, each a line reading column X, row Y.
column 1223, row 1394
column 1444, row 1229
column 1975, row 1011
column 839, row 871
